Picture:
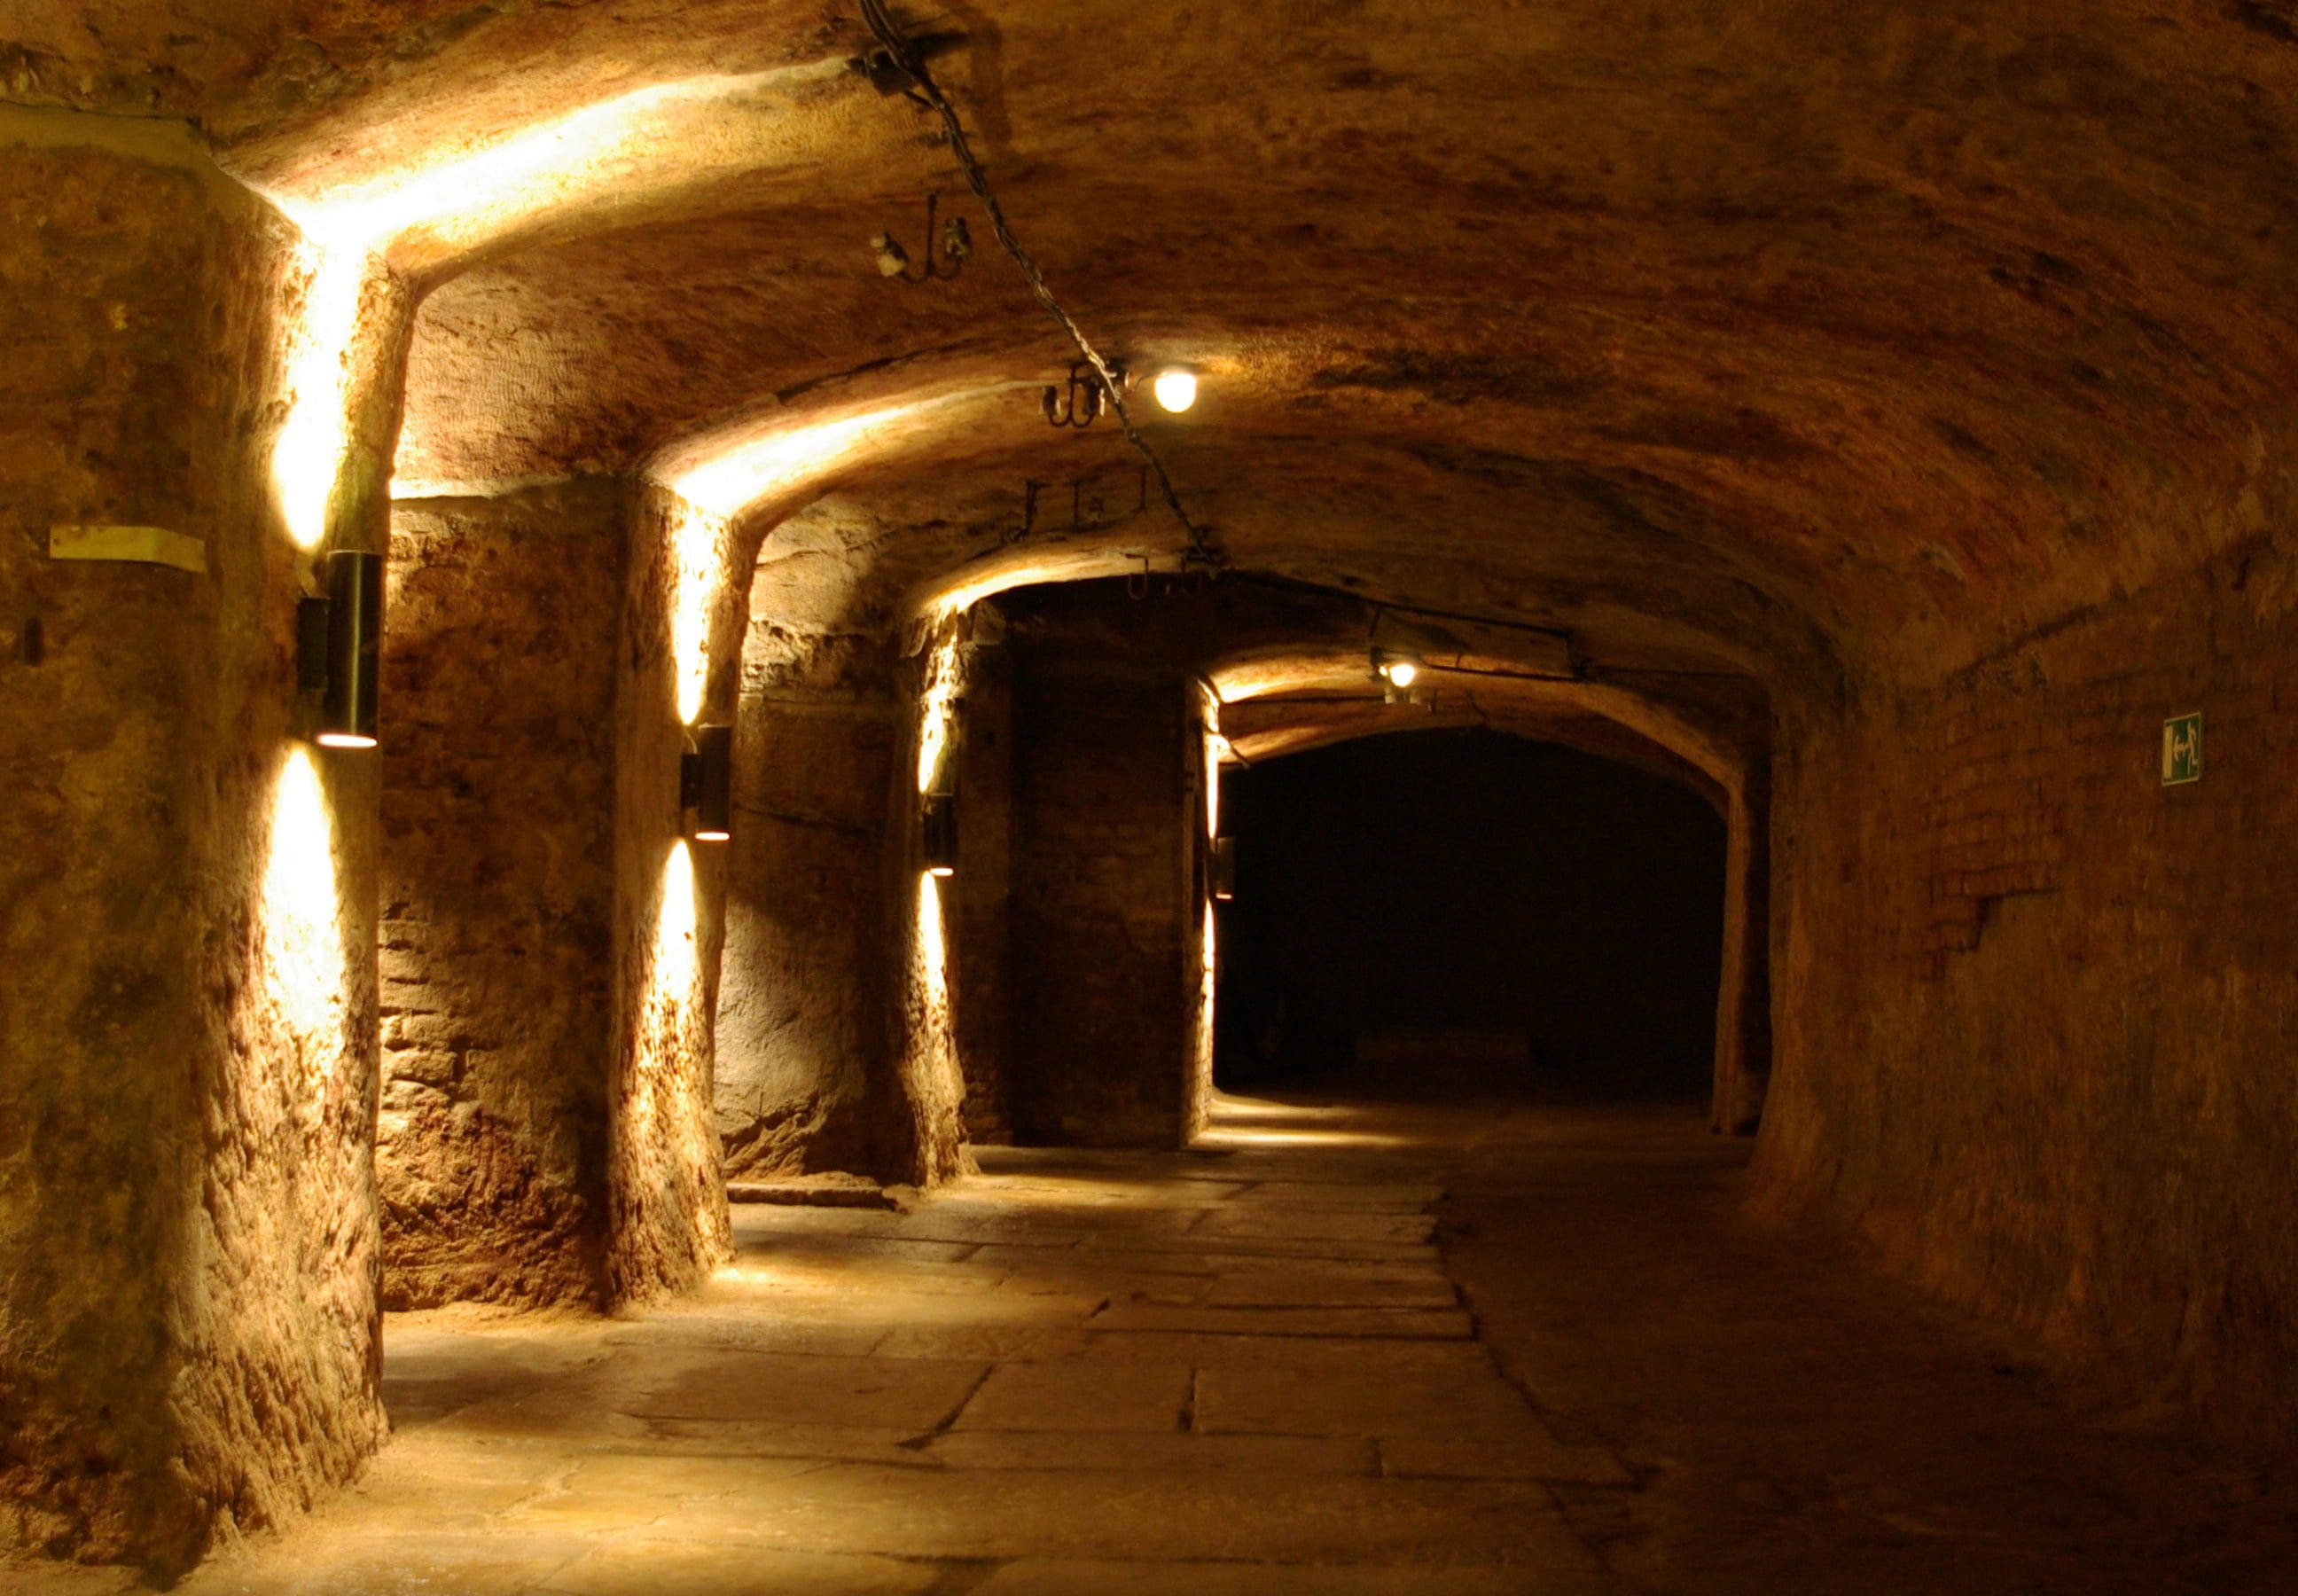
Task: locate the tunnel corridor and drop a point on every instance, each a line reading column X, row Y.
column 1467, row 904
column 1399, row 795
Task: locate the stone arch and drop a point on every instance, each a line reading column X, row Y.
column 1722, row 756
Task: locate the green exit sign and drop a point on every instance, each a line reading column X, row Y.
column 2182, row 750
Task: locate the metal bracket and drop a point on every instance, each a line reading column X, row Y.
column 1086, row 396
column 950, row 248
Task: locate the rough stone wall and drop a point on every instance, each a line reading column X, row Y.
column 188, row 1230
column 803, row 1030
column 982, row 898
column 837, row 1024
column 1743, row 994
column 1105, row 920
column 668, row 1224
column 497, row 893
column 2035, row 1011
column 1201, row 969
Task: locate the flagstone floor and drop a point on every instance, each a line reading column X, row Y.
column 1250, row 1369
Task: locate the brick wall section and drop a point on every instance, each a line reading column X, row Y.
column 1990, row 820
column 2036, row 1011
column 498, row 810
column 1105, row 917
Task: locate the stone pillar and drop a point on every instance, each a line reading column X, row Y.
column 837, row 1026
column 1106, row 912
column 188, row 1058
column 924, row 1119
column 499, row 893
column 1743, row 1022
column 555, row 938
column 667, row 1224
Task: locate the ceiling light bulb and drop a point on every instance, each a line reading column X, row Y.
column 1402, row 671
column 1176, row 391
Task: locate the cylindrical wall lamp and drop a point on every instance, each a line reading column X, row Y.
column 339, row 650
column 1220, row 872
column 937, row 820
column 706, row 785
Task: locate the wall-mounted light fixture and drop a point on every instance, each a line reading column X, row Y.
column 1176, row 389
column 1221, row 869
column 1086, row 396
column 1397, row 670
column 946, row 254
column 339, row 650
column 706, row 785
column 937, row 821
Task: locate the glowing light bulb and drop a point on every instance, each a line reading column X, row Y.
column 1402, row 671
column 942, row 871
column 1176, row 391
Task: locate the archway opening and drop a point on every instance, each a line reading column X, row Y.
column 1468, row 910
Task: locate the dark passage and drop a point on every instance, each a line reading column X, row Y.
column 1474, row 906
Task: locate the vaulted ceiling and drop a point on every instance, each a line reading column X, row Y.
column 1774, row 335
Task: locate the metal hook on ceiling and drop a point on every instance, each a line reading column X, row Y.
column 946, row 251
column 1030, row 490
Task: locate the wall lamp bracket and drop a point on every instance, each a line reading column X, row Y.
column 1083, row 399
column 891, row 75
column 339, row 650
column 947, row 251
column 706, row 785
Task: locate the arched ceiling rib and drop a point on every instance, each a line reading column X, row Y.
column 1287, row 666
column 1283, row 729
column 1520, row 540
column 1286, row 699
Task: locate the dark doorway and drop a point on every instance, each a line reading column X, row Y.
column 1473, row 907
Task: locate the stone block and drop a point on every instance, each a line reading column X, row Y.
column 1152, row 1398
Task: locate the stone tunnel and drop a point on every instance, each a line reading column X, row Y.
column 719, row 718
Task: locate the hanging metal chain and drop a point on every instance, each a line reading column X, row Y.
column 1202, row 553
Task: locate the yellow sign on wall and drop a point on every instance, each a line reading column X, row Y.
column 144, row 545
